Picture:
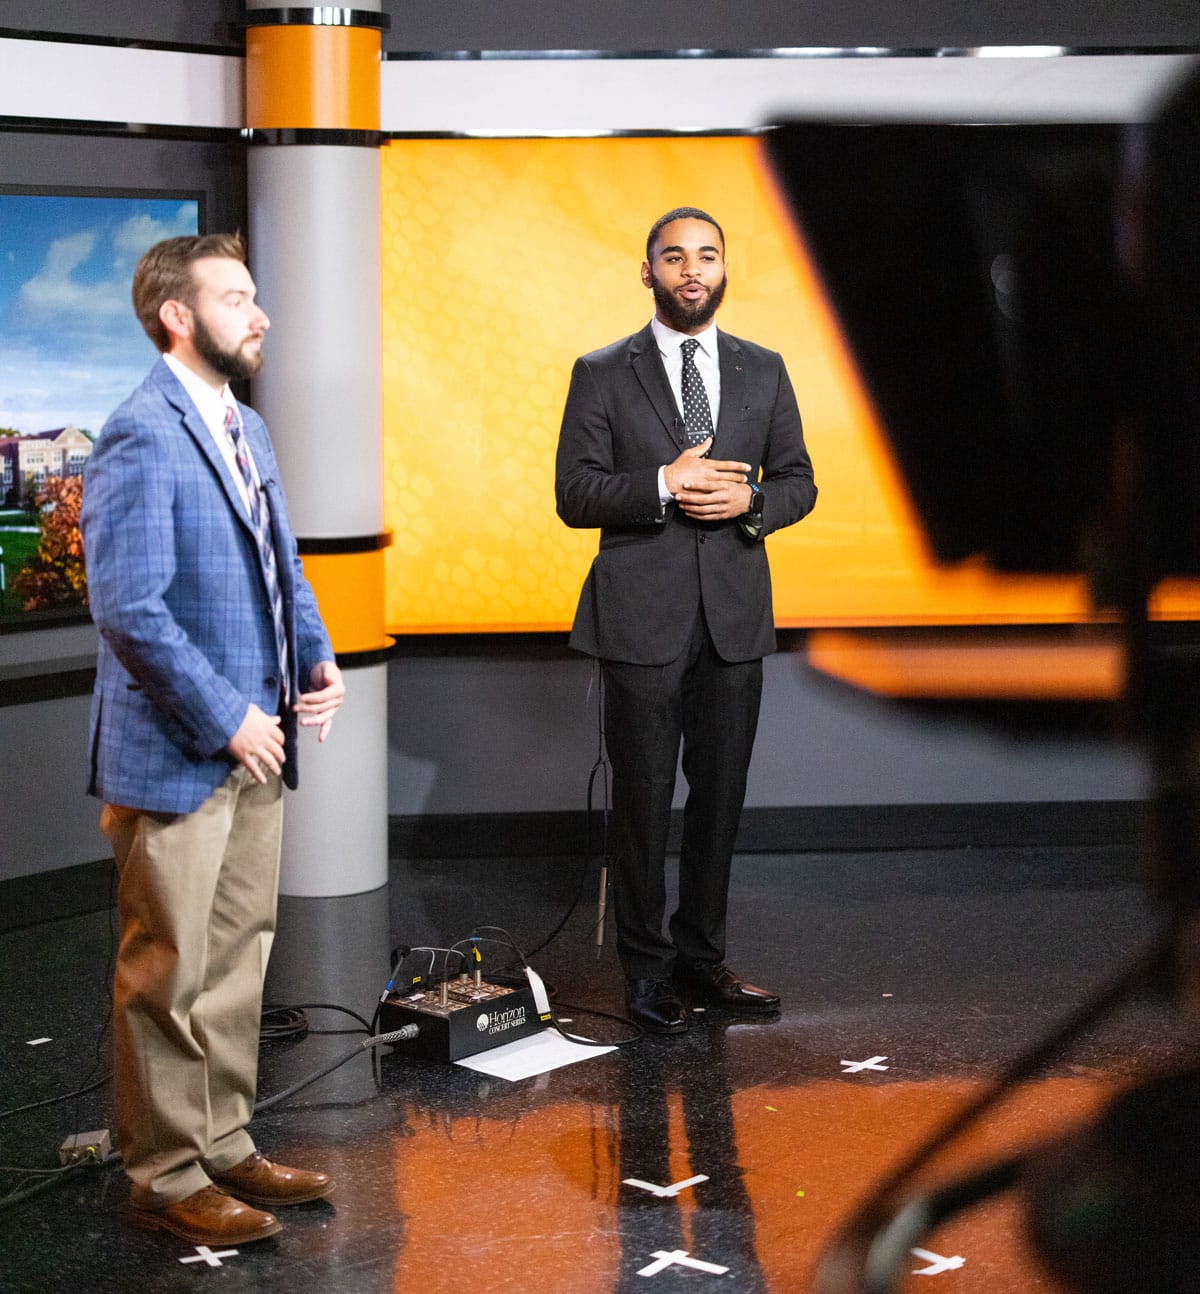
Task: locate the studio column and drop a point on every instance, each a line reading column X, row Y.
column 312, row 118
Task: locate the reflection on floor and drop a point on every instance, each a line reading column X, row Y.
column 907, row 979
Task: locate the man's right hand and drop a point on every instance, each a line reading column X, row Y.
column 258, row 744
column 691, row 471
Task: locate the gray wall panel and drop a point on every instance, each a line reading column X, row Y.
column 470, row 733
column 768, row 24
column 420, row 25
column 48, row 819
column 183, row 22
column 478, row 733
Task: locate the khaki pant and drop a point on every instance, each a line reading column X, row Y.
column 196, row 897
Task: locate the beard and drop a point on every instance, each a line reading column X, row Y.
column 232, row 365
column 686, row 315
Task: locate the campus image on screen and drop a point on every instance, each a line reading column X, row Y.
column 70, row 351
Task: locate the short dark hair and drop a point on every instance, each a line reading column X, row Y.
column 165, row 274
column 679, row 213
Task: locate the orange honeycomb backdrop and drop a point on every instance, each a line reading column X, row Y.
column 503, row 260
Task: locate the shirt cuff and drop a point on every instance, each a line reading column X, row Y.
column 664, row 495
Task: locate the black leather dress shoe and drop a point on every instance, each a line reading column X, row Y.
column 655, row 1005
column 717, row 985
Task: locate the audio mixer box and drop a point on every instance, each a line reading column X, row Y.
column 463, row 1017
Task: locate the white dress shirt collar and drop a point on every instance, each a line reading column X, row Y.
column 669, row 341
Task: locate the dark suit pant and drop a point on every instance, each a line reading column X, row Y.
column 712, row 705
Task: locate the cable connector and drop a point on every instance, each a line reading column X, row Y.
column 85, row 1145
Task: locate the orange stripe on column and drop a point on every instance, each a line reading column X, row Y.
column 312, row 78
column 349, row 589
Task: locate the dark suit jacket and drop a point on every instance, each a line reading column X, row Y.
column 177, row 590
column 654, row 568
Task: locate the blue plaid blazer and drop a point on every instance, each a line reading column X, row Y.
column 178, row 593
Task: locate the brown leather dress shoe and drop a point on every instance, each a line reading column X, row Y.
column 716, row 985
column 260, row 1181
column 209, row 1217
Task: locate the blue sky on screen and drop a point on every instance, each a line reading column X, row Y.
column 70, row 347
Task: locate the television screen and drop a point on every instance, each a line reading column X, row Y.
column 70, row 351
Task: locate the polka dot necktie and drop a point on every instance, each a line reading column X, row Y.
column 260, row 517
column 697, row 416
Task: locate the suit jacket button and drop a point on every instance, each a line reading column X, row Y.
column 270, row 681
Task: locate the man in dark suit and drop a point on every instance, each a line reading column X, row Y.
column 212, row 651
column 684, row 445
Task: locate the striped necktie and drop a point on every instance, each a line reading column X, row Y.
column 697, row 415
column 260, row 519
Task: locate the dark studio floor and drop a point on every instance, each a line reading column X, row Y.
column 939, row 966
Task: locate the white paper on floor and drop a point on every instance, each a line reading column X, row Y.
column 528, row 1057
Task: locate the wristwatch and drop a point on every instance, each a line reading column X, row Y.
column 750, row 523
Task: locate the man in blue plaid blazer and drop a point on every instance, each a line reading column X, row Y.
column 212, row 652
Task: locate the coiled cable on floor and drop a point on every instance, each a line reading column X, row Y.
column 279, row 1022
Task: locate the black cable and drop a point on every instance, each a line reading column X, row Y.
column 332, row 1006
column 376, row 1040
column 602, row 764
column 37, row 1172
column 19, row 1194
column 54, row 1100
column 51, row 1177
column 601, row 768
column 606, row 1015
column 589, row 854
column 477, row 936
